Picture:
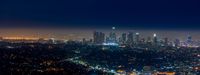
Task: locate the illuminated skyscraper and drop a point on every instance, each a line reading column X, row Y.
column 112, row 36
column 137, row 38
column 98, row 37
column 155, row 39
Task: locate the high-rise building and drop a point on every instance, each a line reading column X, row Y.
column 155, row 39
column 84, row 41
column 149, row 39
column 98, row 37
column 130, row 38
column 166, row 41
column 112, row 36
column 189, row 39
column 123, row 38
column 137, row 38
column 143, row 40
column 177, row 42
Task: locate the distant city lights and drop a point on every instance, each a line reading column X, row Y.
column 110, row 44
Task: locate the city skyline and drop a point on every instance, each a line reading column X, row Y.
column 100, row 37
column 77, row 34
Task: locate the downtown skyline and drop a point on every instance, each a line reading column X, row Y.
column 100, row 37
column 79, row 34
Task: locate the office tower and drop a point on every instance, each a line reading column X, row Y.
column 107, row 39
column 84, row 41
column 137, row 38
column 120, row 40
column 149, row 39
column 177, row 42
column 102, row 37
column 155, row 39
column 166, row 41
column 98, row 37
column 130, row 38
column 95, row 37
column 112, row 36
column 124, row 38
column 143, row 40
column 189, row 39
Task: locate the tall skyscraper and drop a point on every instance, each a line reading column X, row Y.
column 124, row 38
column 137, row 38
column 166, row 41
column 130, row 38
column 112, row 36
column 98, row 37
column 177, row 42
column 84, row 41
column 189, row 39
column 155, row 39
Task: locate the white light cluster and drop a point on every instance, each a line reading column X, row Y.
column 111, row 44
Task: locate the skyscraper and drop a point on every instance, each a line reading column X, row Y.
column 130, row 38
column 155, row 40
column 98, row 37
column 123, row 38
column 189, row 39
column 176, row 42
column 149, row 39
column 137, row 38
column 112, row 36
column 166, row 41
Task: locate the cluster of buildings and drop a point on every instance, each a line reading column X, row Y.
column 113, row 38
column 129, row 38
column 132, row 38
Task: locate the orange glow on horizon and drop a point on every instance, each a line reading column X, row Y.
column 20, row 38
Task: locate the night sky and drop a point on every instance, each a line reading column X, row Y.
column 76, row 19
column 136, row 14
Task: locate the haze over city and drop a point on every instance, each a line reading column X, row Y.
column 99, row 37
column 80, row 33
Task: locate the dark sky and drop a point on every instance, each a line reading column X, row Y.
column 145, row 14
